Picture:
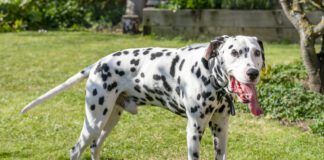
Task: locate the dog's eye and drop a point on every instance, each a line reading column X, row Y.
column 234, row 53
column 257, row 53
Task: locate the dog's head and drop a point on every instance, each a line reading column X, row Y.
column 235, row 64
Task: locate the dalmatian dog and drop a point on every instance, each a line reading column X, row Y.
column 196, row 82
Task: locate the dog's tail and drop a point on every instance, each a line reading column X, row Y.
column 58, row 89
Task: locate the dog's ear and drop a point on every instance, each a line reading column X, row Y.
column 262, row 52
column 211, row 50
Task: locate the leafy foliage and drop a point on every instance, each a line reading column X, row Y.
column 220, row 4
column 47, row 14
column 282, row 96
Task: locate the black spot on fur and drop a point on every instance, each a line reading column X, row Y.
column 125, row 52
column 194, row 138
column 105, row 111
column 148, row 89
column 198, row 73
column 118, row 63
column 166, row 84
column 101, row 100
column 104, row 77
column 195, row 154
column 104, row 85
column 93, row 107
column 192, row 69
column 178, row 90
column 157, row 77
column 142, row 75
column 205, row 80
column 137, row 80
column 147, row 96
column 146, row 52
column 198, row 97
column 174, row 62
column 219, row 129
column 205, row 94
column 245, row 55
column 181, row 64
column 219, row 151
column 168, row 54
column 117, row 54
column 221, row 109
column 194, row 109
column 112, row 86
column 105, row 67
column 137, row 88
column 133, row 69
column 202, row 116
column 160, row 100
column 179, row 80
column 209, row 109
column 82, row 72
column 135, row 62
column 205, row 63
column 212, row 98
column 155, row 55
column 98, row 68
column 120, row 73
column 94, row 92
column 231, row 46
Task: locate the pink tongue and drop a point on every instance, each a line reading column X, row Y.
column 250, row 92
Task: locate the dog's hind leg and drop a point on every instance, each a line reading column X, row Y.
column 112, row 121
column 99, row 105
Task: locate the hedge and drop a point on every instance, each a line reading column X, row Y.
column 18, row 15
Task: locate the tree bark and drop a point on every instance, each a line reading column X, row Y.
column 308, row 34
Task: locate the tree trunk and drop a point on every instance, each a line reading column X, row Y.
column 308, row 33
column 320, row 57
column 311, row 62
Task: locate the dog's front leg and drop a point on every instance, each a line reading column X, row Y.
column 219, row 127
column 195, row 130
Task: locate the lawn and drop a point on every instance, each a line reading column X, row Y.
column 32, row 63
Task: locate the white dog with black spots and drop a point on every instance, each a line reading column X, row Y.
column 196, row 82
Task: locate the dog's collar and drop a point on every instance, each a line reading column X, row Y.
column 221, row 89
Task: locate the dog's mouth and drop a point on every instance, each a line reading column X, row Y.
column 247, row 94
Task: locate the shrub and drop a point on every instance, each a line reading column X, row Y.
column 282, row 96
column 58, row 14
column 220, row 4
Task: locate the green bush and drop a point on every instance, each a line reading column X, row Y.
column 282, row 96
column 58, row 14
column 220, row 4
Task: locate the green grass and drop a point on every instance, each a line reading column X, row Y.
column 32, row 63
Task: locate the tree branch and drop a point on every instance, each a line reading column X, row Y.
column 286, row 7
column 317, row 5
column 319, row 28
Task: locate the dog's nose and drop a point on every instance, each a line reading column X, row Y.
column 252, row 73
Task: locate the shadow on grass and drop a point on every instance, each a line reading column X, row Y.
column 15, row 154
